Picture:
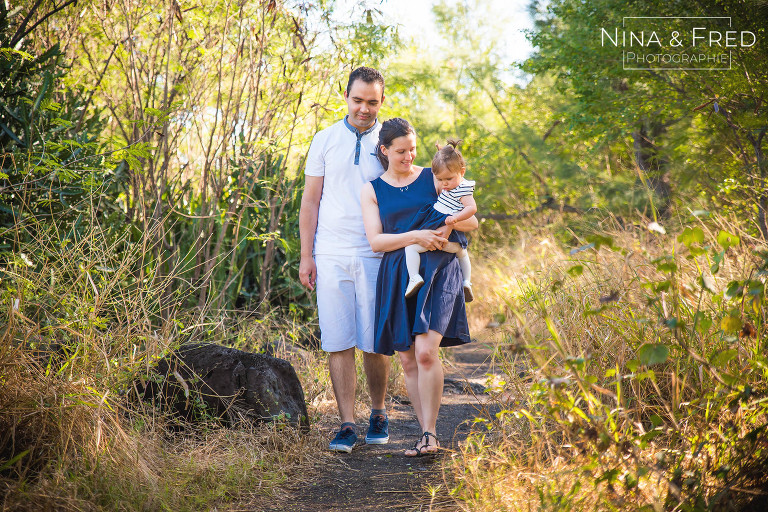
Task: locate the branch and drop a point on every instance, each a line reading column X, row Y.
column 18, row 36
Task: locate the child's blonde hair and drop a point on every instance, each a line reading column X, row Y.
column 448, row 158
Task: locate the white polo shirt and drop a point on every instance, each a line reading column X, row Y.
column 347, row 160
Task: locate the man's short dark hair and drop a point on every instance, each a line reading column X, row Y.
column 367, row 75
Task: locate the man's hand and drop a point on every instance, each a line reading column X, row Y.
column 308, row 272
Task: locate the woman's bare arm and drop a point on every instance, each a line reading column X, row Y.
column 386, row 242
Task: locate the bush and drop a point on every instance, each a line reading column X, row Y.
column 649, row 388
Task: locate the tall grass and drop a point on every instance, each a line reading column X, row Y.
column 647, row 374
column 82, row 325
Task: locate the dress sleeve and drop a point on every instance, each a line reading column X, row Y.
column 316, row 157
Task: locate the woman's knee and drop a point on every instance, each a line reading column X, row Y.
column 408, row 362
column 426, row 357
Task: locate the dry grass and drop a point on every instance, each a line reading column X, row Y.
column 569, row 436
column 80, row 327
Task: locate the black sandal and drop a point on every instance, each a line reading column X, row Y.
column 426, row 445
column 423, row 451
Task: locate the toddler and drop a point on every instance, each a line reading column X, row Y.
column 455, row 203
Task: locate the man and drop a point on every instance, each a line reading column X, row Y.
column 336, row 256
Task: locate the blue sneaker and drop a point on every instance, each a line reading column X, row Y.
column 378, row 430
column 344, row 441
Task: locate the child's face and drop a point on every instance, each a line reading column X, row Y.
column 447, row 180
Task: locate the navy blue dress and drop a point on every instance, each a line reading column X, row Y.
column 439, row 304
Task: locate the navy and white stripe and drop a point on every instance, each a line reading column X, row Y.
column 449, row 201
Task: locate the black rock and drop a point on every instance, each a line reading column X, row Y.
column 211, row 380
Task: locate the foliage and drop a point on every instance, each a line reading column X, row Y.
column 648, row 389
column 689, row 130
column 49, row 166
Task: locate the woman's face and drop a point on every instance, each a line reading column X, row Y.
column 401, row 153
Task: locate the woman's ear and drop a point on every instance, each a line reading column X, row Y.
column 384, row 150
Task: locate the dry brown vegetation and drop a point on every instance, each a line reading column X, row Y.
column 602, row 421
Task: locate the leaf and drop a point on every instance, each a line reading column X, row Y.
column 703, row 322
column 726, row 239
column 653, row 353
column 601, row 240
column 722, row 357
column 700, row 213
column 707, row 283
column 577, row 250
column 717, row 259
column 11, row 135
column 611, row 297
column 734, row 290
column 14, row 460
column 47, row 81
column 633, row 365
column 666, row 267
column 593, row 312
column 576, row 270
column 690, row 236
column 655, row 226
column 730, row 324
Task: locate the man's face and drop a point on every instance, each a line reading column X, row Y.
column 363, row 103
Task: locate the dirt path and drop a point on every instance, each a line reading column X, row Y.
column 380, row 477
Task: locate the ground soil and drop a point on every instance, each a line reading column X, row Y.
column 380, row 477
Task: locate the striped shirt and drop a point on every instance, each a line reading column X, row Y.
column 449, row 201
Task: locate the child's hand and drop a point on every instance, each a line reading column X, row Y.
column 450, row 220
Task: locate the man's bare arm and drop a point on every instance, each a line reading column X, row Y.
column 310, row 208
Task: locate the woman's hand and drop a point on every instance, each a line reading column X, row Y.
column 429, row 239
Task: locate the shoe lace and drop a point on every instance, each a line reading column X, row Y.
column 345, row 433
column 378, row 423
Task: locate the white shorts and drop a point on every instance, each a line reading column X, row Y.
column 346, row 293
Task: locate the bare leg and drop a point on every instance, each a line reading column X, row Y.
column 411, row 372
column 341, row 366
column 430, row 370
column 452, row 247
column 413, row 258
column 377, row 375
column 424, row 381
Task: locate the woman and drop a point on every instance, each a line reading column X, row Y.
column 415, row 327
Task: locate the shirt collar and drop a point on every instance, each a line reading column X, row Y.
column 356, row 131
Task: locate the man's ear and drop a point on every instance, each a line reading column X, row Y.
column 345, row 94
column 382, row 98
